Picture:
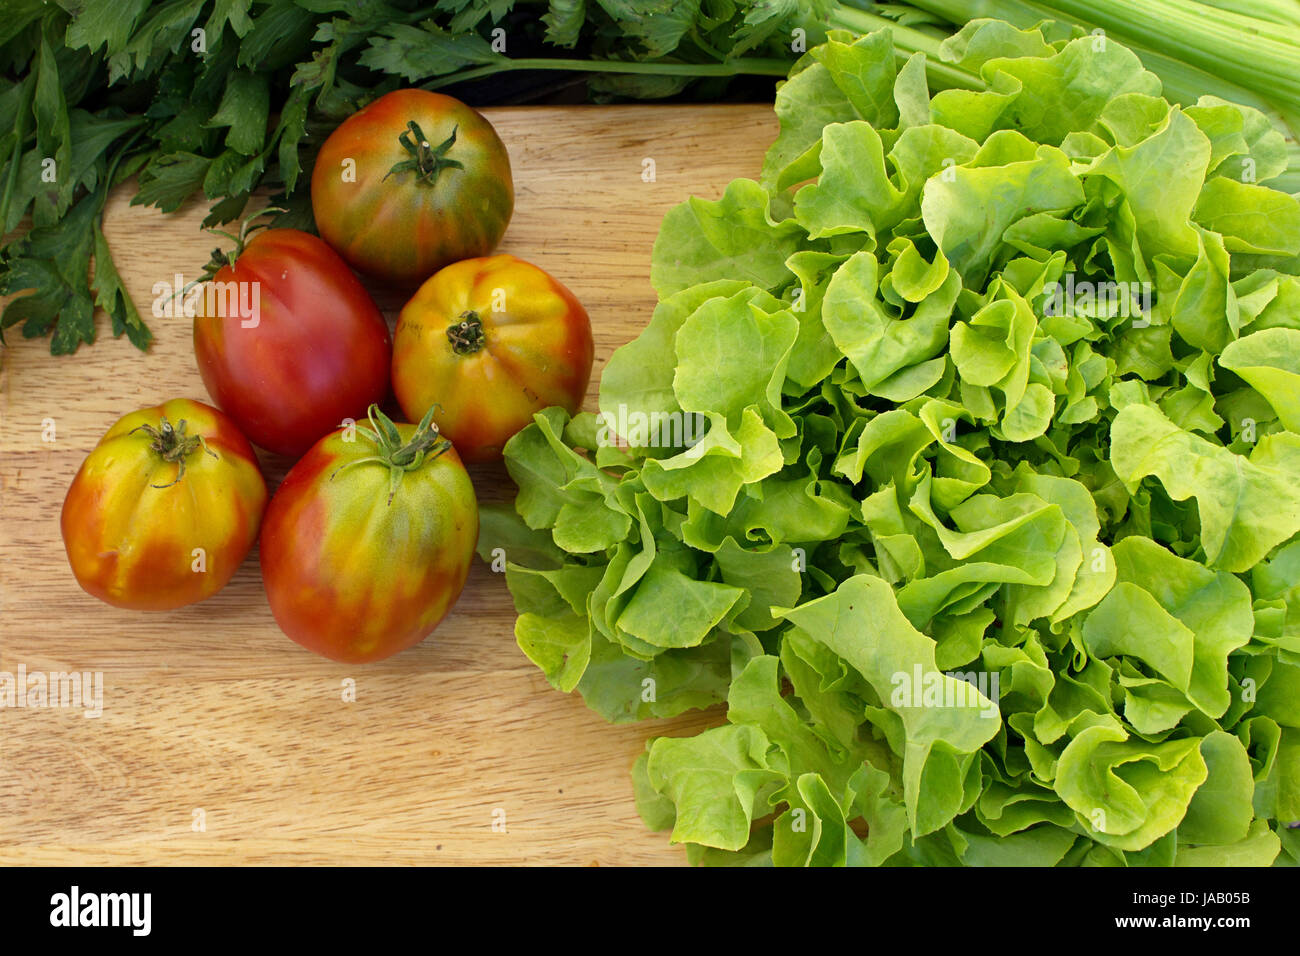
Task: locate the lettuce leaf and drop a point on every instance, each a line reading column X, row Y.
column 985, row 531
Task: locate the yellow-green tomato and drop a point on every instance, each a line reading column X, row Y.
column 165, row 508
column 486, row 343
column 368, row 540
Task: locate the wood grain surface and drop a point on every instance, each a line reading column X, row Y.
column 223, row 742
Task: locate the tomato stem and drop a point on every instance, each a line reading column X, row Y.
column 426, row 161
column 425, row 445
column 172, row 444
column 467, row 336
column 220, row 259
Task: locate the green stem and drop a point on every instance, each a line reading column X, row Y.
column 390, row 452
column 906, row 38
column 426, row 161
column 908, row 41
column 171, row 444
column 1284, row 12
column 466, row 336
column 758, row 66
column 220, row 259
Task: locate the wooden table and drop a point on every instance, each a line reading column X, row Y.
column 221, row 741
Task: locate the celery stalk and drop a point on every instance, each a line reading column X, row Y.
column 1275, row 11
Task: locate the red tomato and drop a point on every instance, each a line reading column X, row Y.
column 164, row 509
column 303, row 348
column 368, row 541
column 410, row 183
column 486, row 343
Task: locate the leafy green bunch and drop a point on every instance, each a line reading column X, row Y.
column 989, row 544
column 225, row 97
column 178, row 94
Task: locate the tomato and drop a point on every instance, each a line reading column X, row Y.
column 164, row 509
column 303, row 346
column 368, row 541
column 410, row 183
column 487, row 343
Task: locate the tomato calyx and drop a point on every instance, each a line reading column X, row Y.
column 222, row 259
column 425, row 445
column 172, row 444
column 426, row 161
column 467, row 336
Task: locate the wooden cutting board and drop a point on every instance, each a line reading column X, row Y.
column 220, row 740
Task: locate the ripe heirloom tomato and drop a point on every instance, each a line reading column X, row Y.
column 410, row 183
column 368, row 541
column 487, row 343
column 315, row 351
column 163, row 482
